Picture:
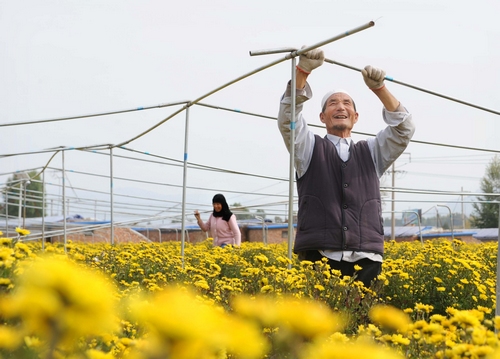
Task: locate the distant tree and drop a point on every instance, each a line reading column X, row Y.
column 485, row 215
column 260, row 213
column 241, row 212
column 244, row 213
column 31, row 205
column 278, row 219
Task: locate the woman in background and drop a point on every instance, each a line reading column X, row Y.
column 221, row 224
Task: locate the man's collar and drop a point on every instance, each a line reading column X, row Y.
column 336, row 139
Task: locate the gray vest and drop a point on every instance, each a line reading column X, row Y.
column 339, row 202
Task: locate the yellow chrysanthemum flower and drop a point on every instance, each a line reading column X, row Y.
column 266, row 289
column 180, row 323
column 22, row 231
column 5, row 241
column 339, row 337
column 261, row 258
column 495, row 354
column 426, row 308
column 202, row 284
column 6, row 256
column 10, row 338
column 61, row 301
column 435, row 338
column 33, row 342
column 399, row 339
column 308, row 319
column 390, row 317
column 466, row 318
column 358, row 350
column 97, row 354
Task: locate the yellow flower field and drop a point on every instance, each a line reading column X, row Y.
column 145, row 301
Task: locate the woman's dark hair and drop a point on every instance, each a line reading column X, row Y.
column 225, row 213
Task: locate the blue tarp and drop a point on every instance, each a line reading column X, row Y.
column 487, row 234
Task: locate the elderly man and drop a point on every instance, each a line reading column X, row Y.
column 340, row 213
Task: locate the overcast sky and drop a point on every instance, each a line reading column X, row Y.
column 70, row 58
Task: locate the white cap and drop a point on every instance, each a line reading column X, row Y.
column 328, row 94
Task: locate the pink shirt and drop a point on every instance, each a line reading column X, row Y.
column 223, row 232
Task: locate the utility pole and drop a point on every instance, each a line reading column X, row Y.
column 463, row 211
column 393, row 197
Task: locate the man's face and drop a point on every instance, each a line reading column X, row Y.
column 339, row 115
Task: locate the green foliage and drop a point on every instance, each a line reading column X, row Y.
column 486, row 214
column 243, row 213
column 30, row 198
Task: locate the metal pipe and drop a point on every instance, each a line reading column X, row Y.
column 272, row 51
column 56, row 150
column 419, row 225
column 291, row 168
column 393, row 202
column 184, row 181
column 451, row 219
column 264, row 238
column 111, row 190
column 199, row 99
column 236, row 110
column 64, row 201
column 497, row 308
column 267, row 233
column 43, row 211
column 287, row 57
column 92, row 115
column 418, row 88
column 24, row 203
column 19, row 209
column 7, row 212
column 294, row 52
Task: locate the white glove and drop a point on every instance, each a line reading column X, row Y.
column 374, row 78
column 310, row 60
